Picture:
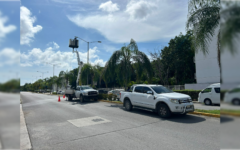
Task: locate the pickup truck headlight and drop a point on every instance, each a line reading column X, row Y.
column 85, row 93
column 175, row 101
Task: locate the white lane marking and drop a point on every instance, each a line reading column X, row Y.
column 88, row 121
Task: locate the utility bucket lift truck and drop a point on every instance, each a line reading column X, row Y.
column 83, row 92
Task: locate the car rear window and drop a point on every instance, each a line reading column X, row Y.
column 138, row 89
column 161, row 89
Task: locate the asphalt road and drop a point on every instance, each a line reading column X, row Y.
column 206, row 107
column 54, row 125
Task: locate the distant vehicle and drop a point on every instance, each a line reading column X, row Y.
column 156, row 98
column 233, row 96
column 117, row 92
column 210, row 95
column 60, row 92
column 102, row 92
column 110, row 92
column 83, row 92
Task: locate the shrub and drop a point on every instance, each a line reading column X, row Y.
column 192, row 93
column 105, row 96
column 114, row 97
column 54, row 93
column 110, row 96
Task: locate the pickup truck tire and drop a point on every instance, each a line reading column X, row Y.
column 69, row 97
column 128, row 105
column 163, row 111
column 81, row 98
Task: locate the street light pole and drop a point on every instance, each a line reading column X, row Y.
column 42, row 73
column 88, row 52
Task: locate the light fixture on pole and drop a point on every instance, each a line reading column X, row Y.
column 42, row 73
column 53, row 66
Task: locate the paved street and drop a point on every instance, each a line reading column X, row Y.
column 205, row 107
column 100, row 125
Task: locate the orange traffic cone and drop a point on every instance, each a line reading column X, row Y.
column 64, row 96
column 59, row 99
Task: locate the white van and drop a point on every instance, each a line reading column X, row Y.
column 233, row 96
column 210, row 95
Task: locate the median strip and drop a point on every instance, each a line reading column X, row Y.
column 210, row 113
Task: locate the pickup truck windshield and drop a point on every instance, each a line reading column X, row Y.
column 85, row 87
column 161, row 89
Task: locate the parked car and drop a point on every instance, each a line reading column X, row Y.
column 102, row 92
column 210, row 95
column 156, row 98
column 59, row 92
column 117, row 92
column 233, row 96
column 110, row 92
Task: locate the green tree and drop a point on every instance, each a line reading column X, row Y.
column 123, row 60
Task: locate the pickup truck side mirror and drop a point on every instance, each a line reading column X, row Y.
column 149, row 92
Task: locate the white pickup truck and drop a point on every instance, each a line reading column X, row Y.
column 156, row 98
column 83, row 92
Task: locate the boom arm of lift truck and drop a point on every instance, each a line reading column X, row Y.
column 80, row 64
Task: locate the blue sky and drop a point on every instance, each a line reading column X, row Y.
column 47, row 26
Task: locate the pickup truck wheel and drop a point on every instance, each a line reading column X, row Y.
column 81, row 99
column 69, row 98
column 163, row 111
column 128, row 105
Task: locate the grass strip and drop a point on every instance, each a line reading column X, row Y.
column 208, row 111
column 230, row 111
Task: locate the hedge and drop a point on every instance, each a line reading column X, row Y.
column 192, row 93
column 107, row 97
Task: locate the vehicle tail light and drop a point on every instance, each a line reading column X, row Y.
column 120, row 94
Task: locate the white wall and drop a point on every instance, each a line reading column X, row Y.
column 207, row 68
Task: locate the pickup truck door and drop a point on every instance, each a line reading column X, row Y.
column 136, row 96
column 147, row 99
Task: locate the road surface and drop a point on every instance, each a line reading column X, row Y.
column 99, row 125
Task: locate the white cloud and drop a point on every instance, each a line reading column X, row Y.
column 9, row 56
column 140, row 9
column 163, row 23
column 54, row 45
column 109, row 6
column 4, row 30
column 36, row 57
column 27, row 29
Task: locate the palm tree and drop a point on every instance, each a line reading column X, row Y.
column 123, row 60
column 92, row 71
column 204, row 17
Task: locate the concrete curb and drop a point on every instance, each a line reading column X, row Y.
column 230, row 114
column 25, row 143
column 195, row 113
column 205, row 114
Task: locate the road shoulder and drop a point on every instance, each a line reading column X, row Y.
column 25, row 143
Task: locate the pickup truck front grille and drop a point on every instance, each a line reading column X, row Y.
column 184, row 101
column 92, row 93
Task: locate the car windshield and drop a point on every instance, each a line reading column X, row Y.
column 161, row 89
column 85, row 87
